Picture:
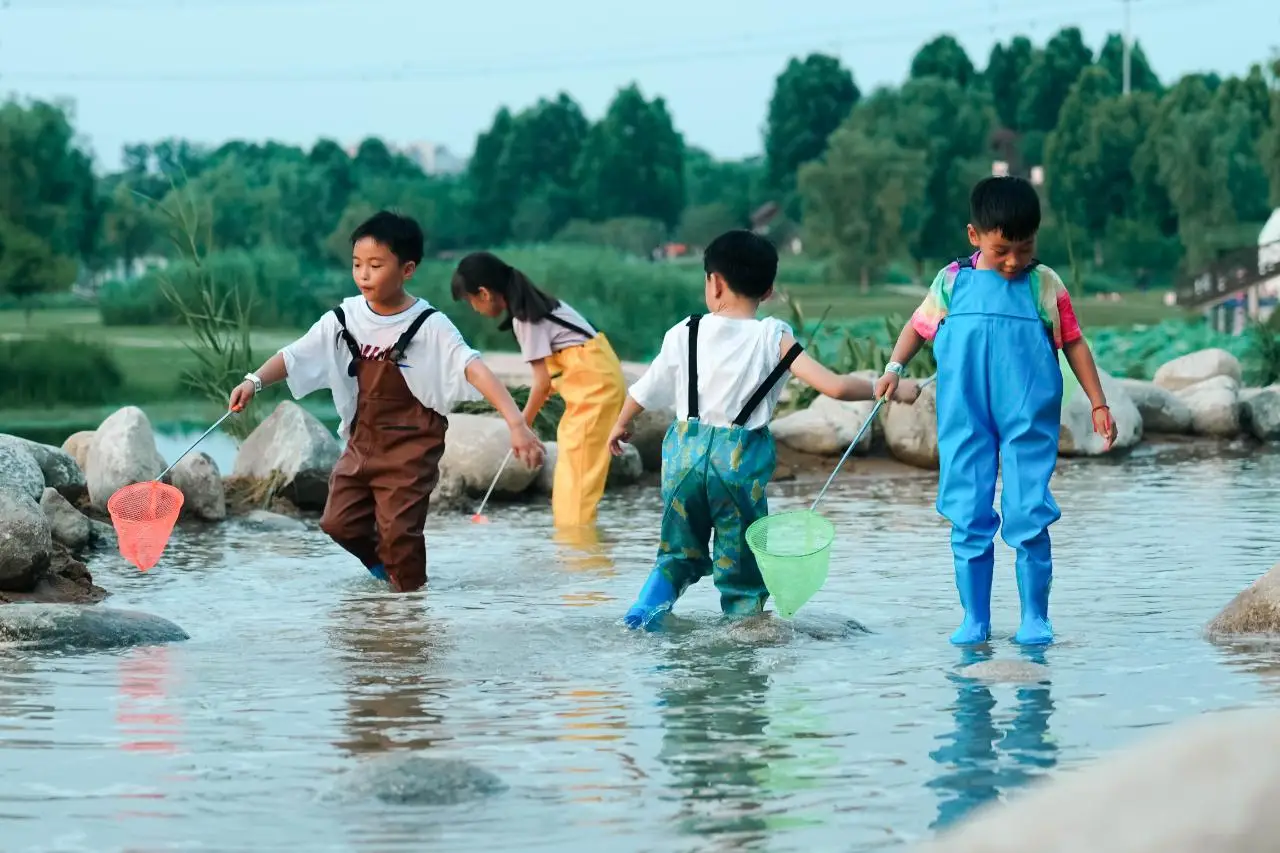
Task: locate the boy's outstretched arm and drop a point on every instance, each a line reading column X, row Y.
column 528, row 449
column 1080, row 357
column 271, row 372
column 830, row 384
column 622, row 427
column 908, row 344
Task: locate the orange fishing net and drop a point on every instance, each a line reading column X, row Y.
column 144, row 515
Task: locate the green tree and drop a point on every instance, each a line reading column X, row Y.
column 1049, row 76
column 811, row 97
column 701, row 224
column 490, row 194
column 1004, row 76
column 1152, row 202
column 736, row 184
column 863, row 201
column 1269, row 145
column 945, row 58
column 632, row 163
column 1141, row 77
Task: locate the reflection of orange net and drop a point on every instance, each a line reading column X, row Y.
column 144, row 515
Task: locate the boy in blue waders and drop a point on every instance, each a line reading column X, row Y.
column 997, row 320
column 723, row 373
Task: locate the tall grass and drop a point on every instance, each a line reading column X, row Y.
column 54, row 369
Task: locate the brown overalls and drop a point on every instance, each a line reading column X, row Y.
column 379, row 489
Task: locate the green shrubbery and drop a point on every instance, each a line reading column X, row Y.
column 57, row 369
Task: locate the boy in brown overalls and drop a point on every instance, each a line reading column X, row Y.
column 396, row 367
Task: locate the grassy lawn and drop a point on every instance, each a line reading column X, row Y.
column 152, row 357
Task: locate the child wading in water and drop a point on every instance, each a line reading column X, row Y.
column 723, row 374
column 997, row 320
column 395, row 367
column 567, row 355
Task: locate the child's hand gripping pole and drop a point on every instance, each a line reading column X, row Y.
column 479, row 517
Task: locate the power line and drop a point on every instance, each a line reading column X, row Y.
column 847, row 33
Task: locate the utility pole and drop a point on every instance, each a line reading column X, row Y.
column 1127, row 50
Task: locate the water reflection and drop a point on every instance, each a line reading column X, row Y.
column 981, row 759
column 387, row 646
column 715, row 744
column 146, row 713
column 582, row 550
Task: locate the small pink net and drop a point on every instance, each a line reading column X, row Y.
column 144, row 515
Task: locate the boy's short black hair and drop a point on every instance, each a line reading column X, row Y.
column 401, row 234
column 747, row 262
column 1007, row 204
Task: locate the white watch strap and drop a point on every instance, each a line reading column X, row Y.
column 257, row 383
column 894, row 367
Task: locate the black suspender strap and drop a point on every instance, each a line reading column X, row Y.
column 397, row 352
column 768, row 384
column 345, row 335
column 573, row 327
column 693, row 366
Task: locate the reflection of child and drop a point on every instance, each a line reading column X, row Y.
column 395, row 367
column 723, row 374
column 567, row 354
column 997, row 319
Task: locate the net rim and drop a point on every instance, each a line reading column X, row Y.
column 809, row 515
column 113, row 502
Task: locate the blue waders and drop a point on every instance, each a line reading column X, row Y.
column 713, row 479
column 999, row 404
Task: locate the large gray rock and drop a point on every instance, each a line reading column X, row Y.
column 25, row 541
column 1196, row 367
column 474, row 449
column 1261, row 412
column 294, row 450
column 77, row 447
column 1076, row 437
column 19, row 471
column 102, row 535
column 1162, row 411
column 66, row 523
column 71, row 626
column 547, row 476
column 409, row 779
column 266, row 520
column 1207, row 784
column 1254, row 612
column 648, row 431
column 911, row 429
column 123, row 451
column 825, row 428
column 1000, row 671
column 203, row 495
column 60, row 470
column 1215, row 407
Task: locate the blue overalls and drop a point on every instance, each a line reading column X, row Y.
column 713, row 479
column 999, row 408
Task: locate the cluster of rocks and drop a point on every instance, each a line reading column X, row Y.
column 1199, row 394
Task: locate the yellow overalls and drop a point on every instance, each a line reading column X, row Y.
column 589, row 379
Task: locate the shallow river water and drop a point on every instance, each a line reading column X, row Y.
column 808, row 737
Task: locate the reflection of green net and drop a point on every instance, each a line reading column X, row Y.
column 793, row 551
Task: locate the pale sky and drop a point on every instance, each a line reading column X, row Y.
column 422, row 70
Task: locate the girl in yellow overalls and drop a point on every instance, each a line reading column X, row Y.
column 567, row 355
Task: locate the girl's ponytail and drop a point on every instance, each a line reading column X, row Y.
column 524, row 300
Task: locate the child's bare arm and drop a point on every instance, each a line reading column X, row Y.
column 909, row 343
column 825, row 381
column 539, row 391
column 524, row 443
column 272, row 371
column 622, row 428
column 1080, row 357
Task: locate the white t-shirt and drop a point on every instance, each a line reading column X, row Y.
column 539, row 340
column 734, row 357
column 434, row 366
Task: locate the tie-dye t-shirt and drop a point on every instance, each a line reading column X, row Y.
column 1052, row 301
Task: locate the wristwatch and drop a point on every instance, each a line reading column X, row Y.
column 257, row 383
column 894, row 367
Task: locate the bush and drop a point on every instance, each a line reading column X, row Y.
column 57, row 369
column 633, row 301
column 284, row 295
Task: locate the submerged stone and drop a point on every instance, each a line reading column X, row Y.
column 71, row 626
column 415, row 780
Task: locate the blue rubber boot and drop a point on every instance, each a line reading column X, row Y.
column 975, row 563
column 655, row 600
column 379, row 572
column 1035, row 577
